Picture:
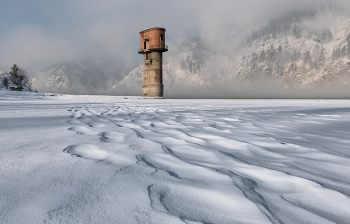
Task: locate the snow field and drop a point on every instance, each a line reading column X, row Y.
column 100, row 159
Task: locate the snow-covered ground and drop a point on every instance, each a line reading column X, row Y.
column 105, row 159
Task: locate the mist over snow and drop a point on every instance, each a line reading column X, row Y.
column 226, row 49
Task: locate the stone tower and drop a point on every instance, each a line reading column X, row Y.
column 152, row 45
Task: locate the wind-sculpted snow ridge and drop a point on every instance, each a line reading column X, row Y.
column 99, row 159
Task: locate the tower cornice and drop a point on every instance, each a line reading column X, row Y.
column 154, row 28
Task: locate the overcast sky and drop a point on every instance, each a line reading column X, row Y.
column 37, row 33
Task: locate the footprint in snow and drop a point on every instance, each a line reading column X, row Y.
column 103, row 137
column 78, row 132
column 87, row 151
column 73, row 122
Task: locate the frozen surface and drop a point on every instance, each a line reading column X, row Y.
column 104, row 159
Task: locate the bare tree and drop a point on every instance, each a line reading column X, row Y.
column 307, row 57
column 297, row 31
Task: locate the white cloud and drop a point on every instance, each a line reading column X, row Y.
column 29, row 45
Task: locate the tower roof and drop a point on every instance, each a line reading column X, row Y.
column 154, row 28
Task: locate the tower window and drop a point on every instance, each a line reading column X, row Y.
column 161, row 37
column 144, row 45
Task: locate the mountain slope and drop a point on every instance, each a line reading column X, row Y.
column 306, row 48
column 309, row 53
column 303, row 51
column 86, row 77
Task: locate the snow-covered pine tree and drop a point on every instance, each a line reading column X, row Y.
column 14, row 75
column 5, row 82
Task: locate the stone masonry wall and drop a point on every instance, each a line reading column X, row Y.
column 153, row 74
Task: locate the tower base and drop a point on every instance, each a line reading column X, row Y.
column 153, row 90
